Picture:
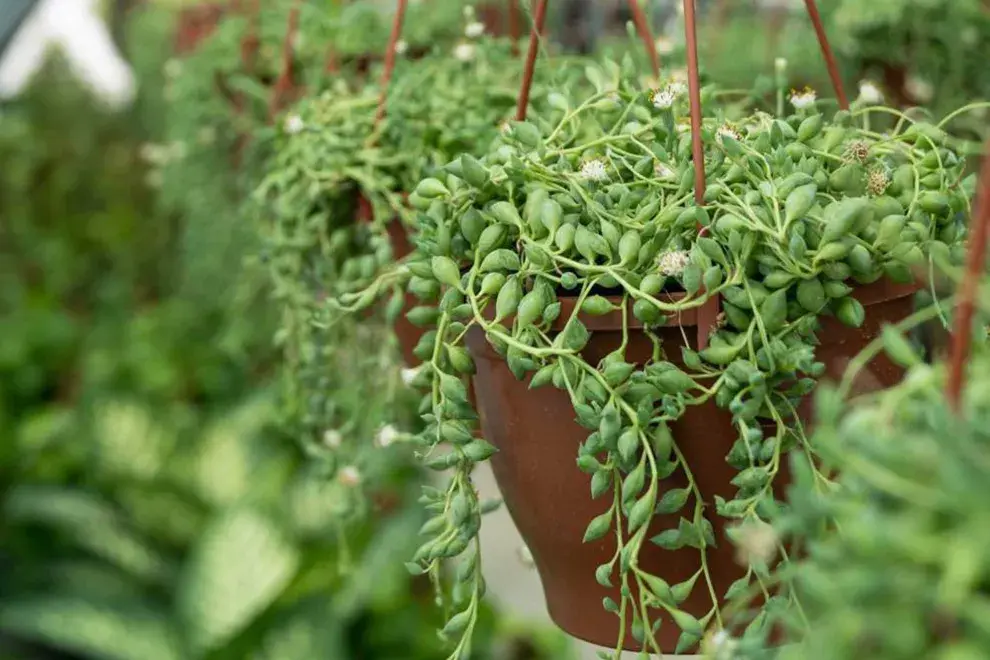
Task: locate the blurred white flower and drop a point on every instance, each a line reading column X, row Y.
column 332, row 438
column 869, row 93
column 663, row 99
column 349, row 476
column 474, row 30
column 294, row 124
column 409, row 374
column 919, row 88
column 464, row 52
column 665, row 46
column 401, row 46
column 386, row 436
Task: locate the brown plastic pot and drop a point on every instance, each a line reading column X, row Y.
column 549, row 498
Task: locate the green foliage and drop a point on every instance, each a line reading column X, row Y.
column 600, row 200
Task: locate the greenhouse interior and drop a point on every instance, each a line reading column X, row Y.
column 299, row 298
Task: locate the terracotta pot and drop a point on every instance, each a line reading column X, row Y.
column 549, row 498
column 196, row 24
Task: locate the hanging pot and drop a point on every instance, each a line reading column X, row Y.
column 549, row 498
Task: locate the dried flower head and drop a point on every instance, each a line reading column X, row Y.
column 869, row 93
column 673, row 262
column 332, row 438
column 877, row 180
column 294, row 124
column 349, row 476
column 594, row 170
column 804, row 98
column 857, row 150
column 474, row 29
column 756, row 543
column 726, row 131
column 464, row 52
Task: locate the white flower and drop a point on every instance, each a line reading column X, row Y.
column 386, row 435
column 349, row 476
column 409, row 375
column 332, row 438
column 673, row 262
column 869, row 93
column 919, row 88
column 803, row 99
column 594, row 170
column 474, row 30
column 294, row 124
column 401, row 46
column 663, row 99
column 172, row 68
column 468, row 11
column 678, row 88
column 663, row 171
column 665, row 46
column 525, row 556
column 780, row 66
column 719, row 645
column 464, row 52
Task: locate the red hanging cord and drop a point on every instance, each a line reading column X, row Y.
column 539, row 20
column 833, row 69
column 976, row 258
column 400, row 14
column 643, row 27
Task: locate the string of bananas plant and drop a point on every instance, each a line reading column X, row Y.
column 596, row 207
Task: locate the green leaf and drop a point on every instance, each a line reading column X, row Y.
column 673, row 500
column 479, row 450
column 446, row 271
column 598, row 527
column 683, row 590
column 240, row 565
column 84, row 626
column 669, row 539
column 687, row 623
column 811, row 295
column 773, row 311
column 898, row 348
column 850, row 311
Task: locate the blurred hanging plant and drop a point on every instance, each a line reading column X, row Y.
column 895, row 561
column 331, row 153
column 595, row 205
column 921, row 50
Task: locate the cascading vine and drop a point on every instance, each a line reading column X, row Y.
column 594, row 214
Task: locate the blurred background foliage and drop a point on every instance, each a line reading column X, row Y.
column 151, row 508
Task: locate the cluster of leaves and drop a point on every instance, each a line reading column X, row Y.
column 596, row 205
column 331, row 153
column 894, row 562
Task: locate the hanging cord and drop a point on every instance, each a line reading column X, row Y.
column 976, row 257
column 708, row 313
column 284, row 82
column 393, row 40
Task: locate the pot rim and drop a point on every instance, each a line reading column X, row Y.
column 881, row 291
